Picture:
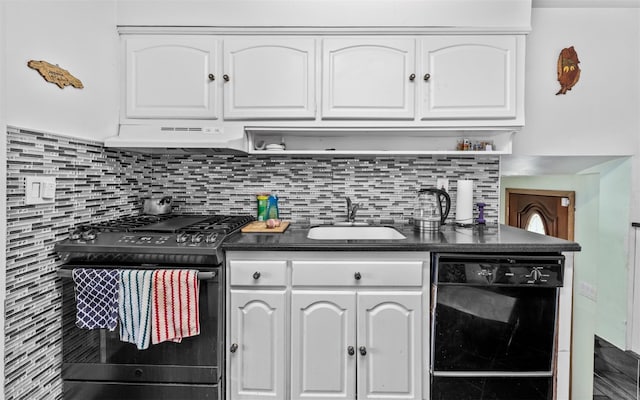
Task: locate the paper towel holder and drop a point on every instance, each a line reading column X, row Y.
column 464, row 203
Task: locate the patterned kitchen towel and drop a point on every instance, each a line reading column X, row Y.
column 134, row 307
column 96, row 298
column 176, row 311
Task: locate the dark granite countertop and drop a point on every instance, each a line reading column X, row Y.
column 479, row 238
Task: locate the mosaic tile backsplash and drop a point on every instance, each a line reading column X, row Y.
column 313, row 190
column 94, row 183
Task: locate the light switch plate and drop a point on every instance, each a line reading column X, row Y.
column 40, row 189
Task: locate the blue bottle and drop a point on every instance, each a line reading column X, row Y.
column 272, row 207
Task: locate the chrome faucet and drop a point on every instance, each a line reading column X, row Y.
column 352, row 209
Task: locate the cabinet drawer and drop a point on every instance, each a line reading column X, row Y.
column 257, row 273
column 357, row 273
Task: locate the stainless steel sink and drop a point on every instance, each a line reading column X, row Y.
column 354, row 233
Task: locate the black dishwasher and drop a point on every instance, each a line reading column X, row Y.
column 493, row 321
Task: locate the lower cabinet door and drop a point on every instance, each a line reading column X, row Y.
column 256, row 346
column 389, row 345
column 323, row 345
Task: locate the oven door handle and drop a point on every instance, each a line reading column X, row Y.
column 202, row 275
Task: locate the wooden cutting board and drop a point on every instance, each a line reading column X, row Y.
column 261, row 227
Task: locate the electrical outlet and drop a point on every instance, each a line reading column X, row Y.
column 442, row 183
column 587, row 290
column 39, row 189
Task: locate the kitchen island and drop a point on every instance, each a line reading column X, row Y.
column 354, row 319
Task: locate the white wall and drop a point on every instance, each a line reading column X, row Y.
column 587, row 188
column 599, row 116
column 79, row 36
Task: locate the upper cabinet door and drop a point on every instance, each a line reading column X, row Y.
column 170, row 76
column 368, row 78
column 469, row 77
column 269, row 78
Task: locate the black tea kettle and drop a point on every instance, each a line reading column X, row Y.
column 431, row 209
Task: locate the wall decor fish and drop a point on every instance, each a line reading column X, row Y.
column 568, row 69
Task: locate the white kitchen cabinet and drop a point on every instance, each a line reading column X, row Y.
column 356, row 329
column 170, row 77
column 269, row 78
column 389, row 345
column 354, row 325
column 323, row 343
column 368, row 78
column 256, row 337
column 257, row 344
column 349, row 342
column 320, row 91
column 470, row 77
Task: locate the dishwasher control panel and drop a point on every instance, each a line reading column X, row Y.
column 503, row 270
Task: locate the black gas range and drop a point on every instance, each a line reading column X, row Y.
column 156, row 239
column 97, row 365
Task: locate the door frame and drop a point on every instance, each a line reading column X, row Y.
column 550, row 193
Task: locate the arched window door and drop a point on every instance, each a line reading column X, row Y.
column 548, row 212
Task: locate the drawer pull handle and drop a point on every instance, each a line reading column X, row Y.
column 226, row 77
column 427, row 77
column 363, row 351
column 256, row 275
column 351, row 350
column 212, row 77
column 357, row 276
column 412, row 77
column 234, row 348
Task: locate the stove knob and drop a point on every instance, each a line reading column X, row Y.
column 182, row 237
column 211, row 238
column 536, row 275
column 197, row 238
column 89, row 234
column 75, row 234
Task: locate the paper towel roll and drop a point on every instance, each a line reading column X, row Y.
column 464, row 202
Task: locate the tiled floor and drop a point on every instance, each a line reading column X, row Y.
column 615, row 375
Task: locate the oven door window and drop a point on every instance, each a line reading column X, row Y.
column 100, row 347
column 494, row 329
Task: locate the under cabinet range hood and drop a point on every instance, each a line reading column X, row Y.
column 177, row 139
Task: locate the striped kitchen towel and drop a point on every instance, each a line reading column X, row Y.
column 175, row 311
column 134, row 307
column 96, row 293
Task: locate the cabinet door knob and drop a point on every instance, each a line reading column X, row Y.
column 363, row 351
column 412, row 77
column 351, row 350
column 427, row 77
column 225, row 77
column 212, row 77
column 256, row 275
column 233, row 348
column 357, row 276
